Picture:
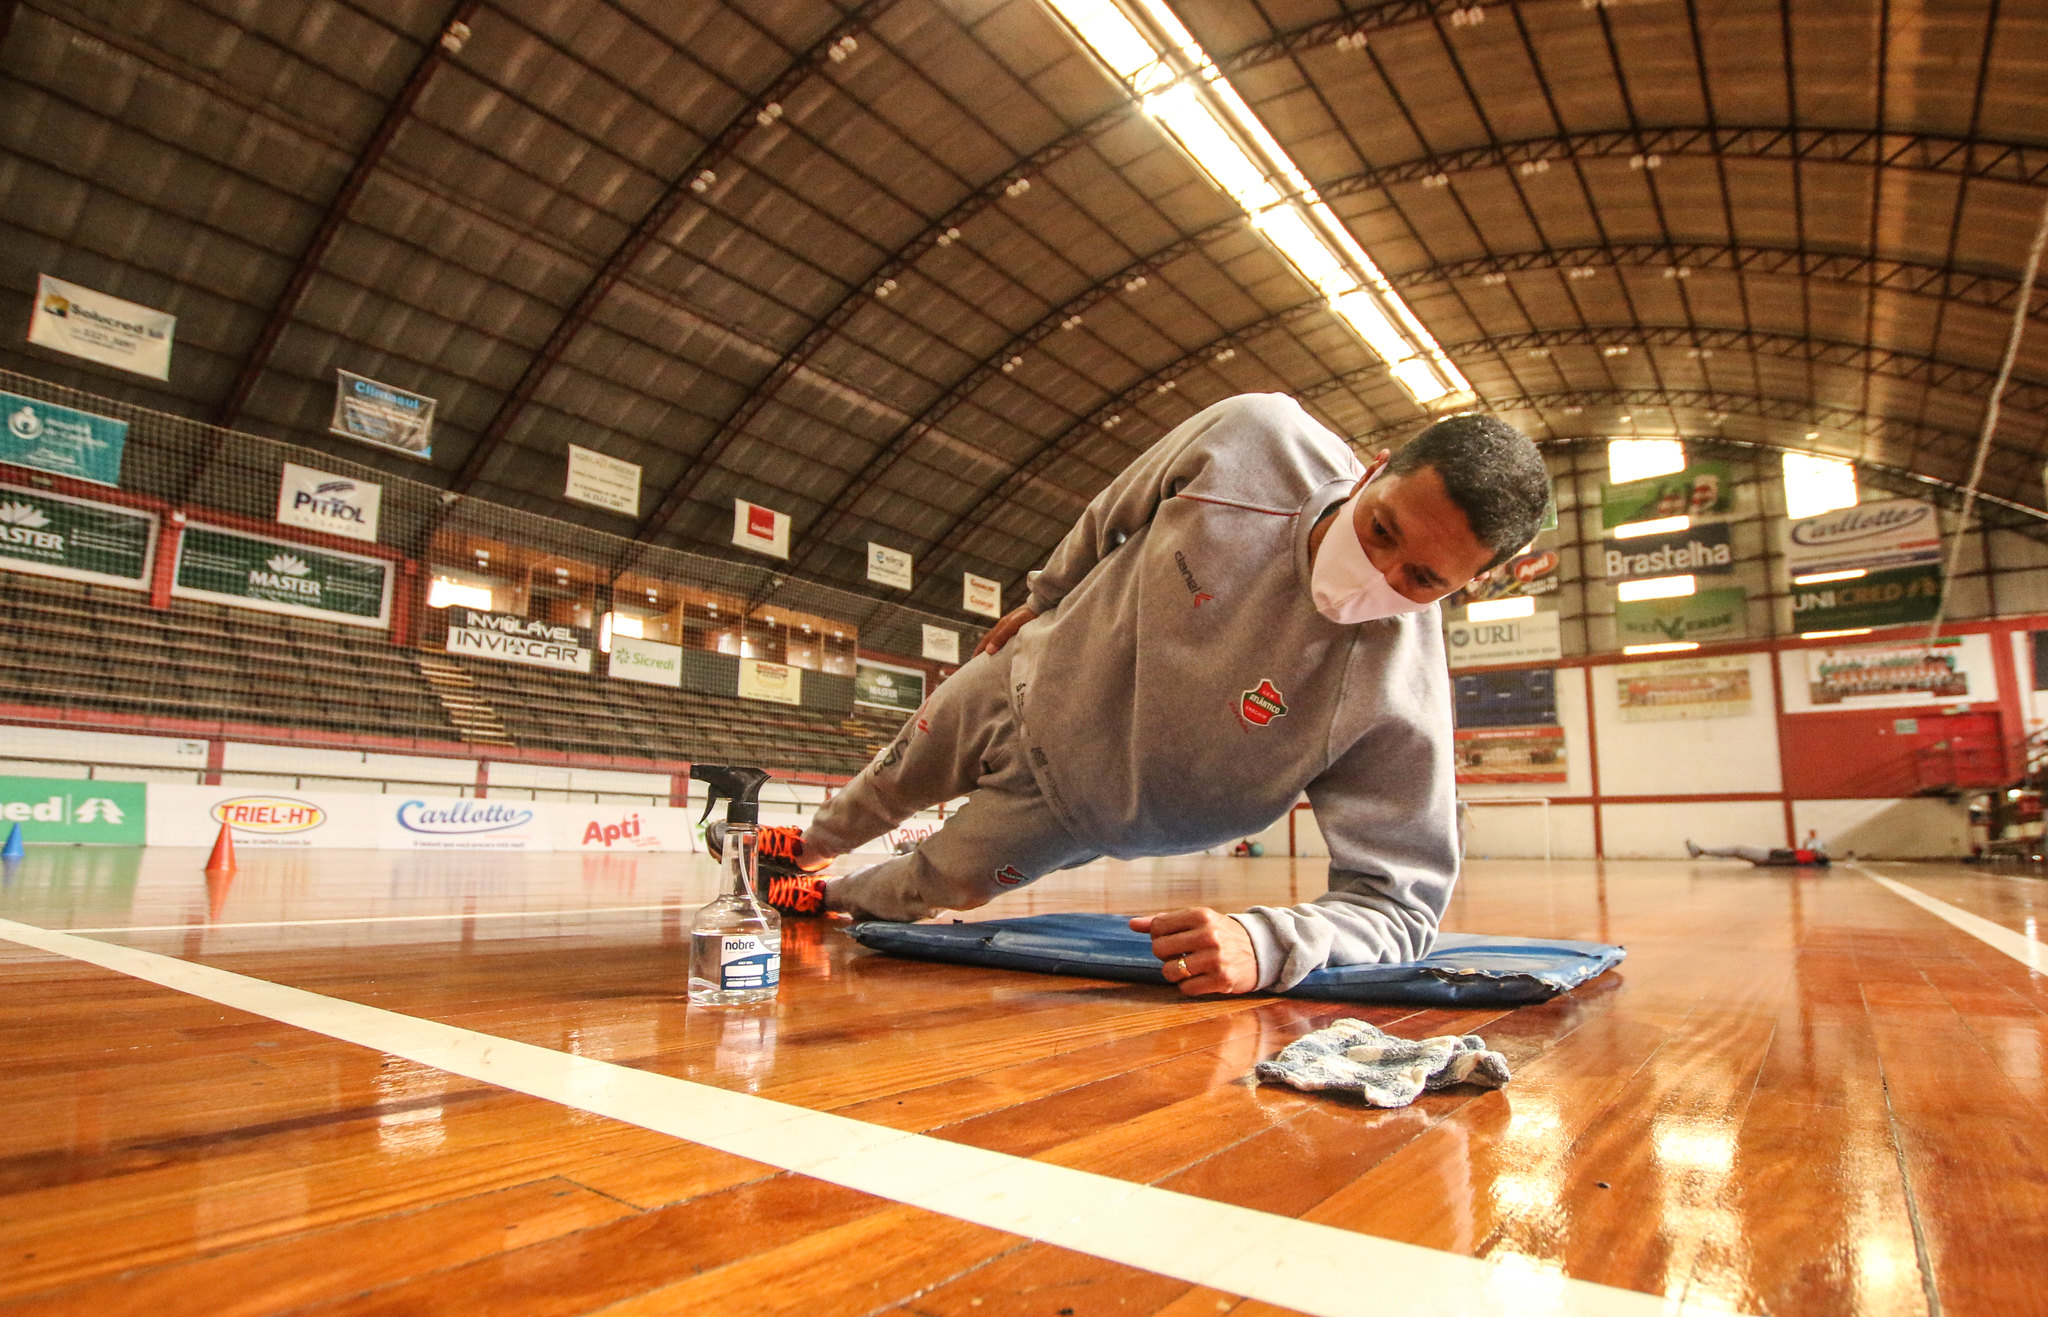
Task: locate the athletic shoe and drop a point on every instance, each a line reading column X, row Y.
column 776, row 849
column 797, row 894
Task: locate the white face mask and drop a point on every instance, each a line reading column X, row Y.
column 1344, row 583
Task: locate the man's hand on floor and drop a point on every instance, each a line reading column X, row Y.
column 1214, row 949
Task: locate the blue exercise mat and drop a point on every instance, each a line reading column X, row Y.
column 1463, row 969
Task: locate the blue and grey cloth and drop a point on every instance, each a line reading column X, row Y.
column 1352, row 1056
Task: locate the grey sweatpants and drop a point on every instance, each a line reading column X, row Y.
column 962, row 742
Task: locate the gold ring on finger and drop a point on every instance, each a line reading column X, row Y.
column 1185, row 972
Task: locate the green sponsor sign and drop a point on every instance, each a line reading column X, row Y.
column 279, row 577
column 878, row 687
column 62, row 441
column 1700, row 490
column 1887, row 598
column 66, row 810
column 51, row 535
column 1707, row 615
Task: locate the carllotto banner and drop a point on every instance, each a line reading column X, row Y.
column 98, row 543
column 1703, row 550
column 87, row 323
column 515, row 639
column 180, row 815
column 1897, row 532
column 1701, row 490
column 277, row 576
column 64, row 442
column 339, row 505
column 1532, row 639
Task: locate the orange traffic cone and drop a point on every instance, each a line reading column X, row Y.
column 218, row 881
column 222, row 861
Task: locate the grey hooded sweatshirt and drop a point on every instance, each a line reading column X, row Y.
column 1179, row 690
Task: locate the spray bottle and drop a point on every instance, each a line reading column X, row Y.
column 735, row 941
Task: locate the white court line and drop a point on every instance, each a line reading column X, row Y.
column 1314, row 1268
column 384, row 919
column 2019, row 946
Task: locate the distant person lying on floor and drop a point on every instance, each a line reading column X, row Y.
column 1812, row 851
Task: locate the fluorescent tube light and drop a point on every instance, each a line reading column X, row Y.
column 446, row 592
column 1825, row 635
column 1499, row 610
column 1639, row 459
column 1660, row 526
column 1656, row 587
column 1815, row 578
column 1814, row 485
column 1670, row 648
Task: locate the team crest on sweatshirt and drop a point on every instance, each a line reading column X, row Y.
column 1263, row 705
column 1010, row 875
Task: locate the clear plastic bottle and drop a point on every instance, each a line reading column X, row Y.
column 735, row 940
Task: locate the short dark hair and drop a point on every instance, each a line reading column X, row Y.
column 1491, row 470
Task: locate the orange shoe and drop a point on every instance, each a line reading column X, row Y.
column 776, row 849
column 797, row 894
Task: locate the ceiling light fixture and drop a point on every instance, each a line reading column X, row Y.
column 1671, row 647
column 1178, row 85
column 1500, row 610
column 1656, row 587
column 1818, row 578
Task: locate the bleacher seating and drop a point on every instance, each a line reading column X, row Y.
column 71, row 646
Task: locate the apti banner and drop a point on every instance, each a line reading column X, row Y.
column 1700, row 490
column 72, row 811
column 1721, row 614
column 1683, row 688
column 62, row 441
column 515, row 639
column 1532, row 639
column 647, row 661
column 1703, row 550
column 98, row 543
column 1887, row 598
column 77, row 320
column 1894, row 532
column 886, row 686
column 1510, row 754
column 275, row 576
column 379, row 414
column 338, row 505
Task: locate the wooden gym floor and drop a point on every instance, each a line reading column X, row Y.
column 1798, row 1095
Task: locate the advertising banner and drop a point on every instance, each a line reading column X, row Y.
column 1703, row 550
column 1721, row 614
column 617, row 828
column 410, row 823
column 51, row 535
column 335, row 504
column 777, row 683
column 764, row 530
column 1683, row 688
column 887, row 566
column 940, row 645
column 183, row 815
column 1892, row 597
column 1530, row 639
column 515, row 639
column 379, row 414
column 981, row 595
column 886, row 686
column 1510, row 754
column 603, row 482
column 1896, row 532
column 74, row 319
column 1530, row 573
column 62, row 441
column 1526, row 698
column 1934, row 671
column 275, row 576
column 1701, row 490
column 649, row 661
column 71, row 811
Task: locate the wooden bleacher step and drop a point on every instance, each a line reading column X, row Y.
column 464, row 704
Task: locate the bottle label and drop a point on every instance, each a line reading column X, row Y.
column 745, row 961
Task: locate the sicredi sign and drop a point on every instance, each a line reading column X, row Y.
column 515, row 639
column 338, row 505
column 1889, row 533
column 70, row 811
column 1529, row 639
column 1703, row 549
column 647, row 661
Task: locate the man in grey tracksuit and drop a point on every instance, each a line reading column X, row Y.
column 1172, row 685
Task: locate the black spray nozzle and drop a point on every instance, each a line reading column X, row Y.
column 741, row 786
